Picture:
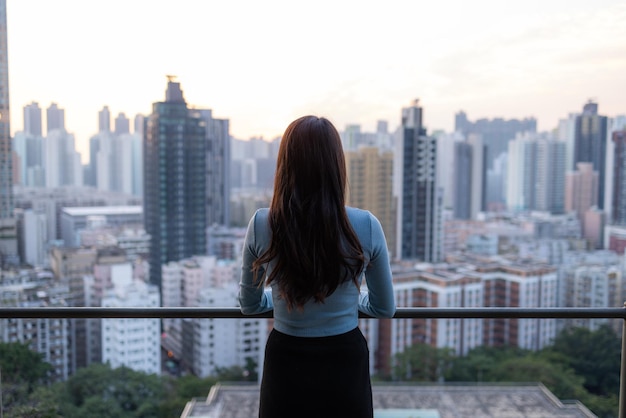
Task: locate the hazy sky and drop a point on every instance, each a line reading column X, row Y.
column 263, row 63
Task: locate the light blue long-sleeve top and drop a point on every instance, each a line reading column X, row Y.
column 339, row 311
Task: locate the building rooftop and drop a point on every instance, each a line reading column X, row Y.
column 422, row 401
column 103, row 210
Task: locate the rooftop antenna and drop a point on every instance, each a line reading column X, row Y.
column 171, row 78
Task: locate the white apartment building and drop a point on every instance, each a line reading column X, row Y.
column 536, row 173
column 131, row 342
column 209, row 344
column 35, row 238
column 592, row 280
column 61, row 160
column 204, row 345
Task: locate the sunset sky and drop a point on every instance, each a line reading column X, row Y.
column 263, row 63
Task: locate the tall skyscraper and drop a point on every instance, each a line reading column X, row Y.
column 32, row 119
column 104, row 120
column 495, row 133
column 138, row 124
column 370, row 176
column 618, row 198
column 469, row 178
column 590, row 143
column 462, row 180
column 581, row 192
column 420, row 226
column 8, row 227
column 536, row 174
column 62, row 162
column 122, row 124
column 218, row 167
column 55, row 118
column 175, row 185
column 6, row 166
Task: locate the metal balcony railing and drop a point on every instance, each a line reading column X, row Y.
column 580, row 313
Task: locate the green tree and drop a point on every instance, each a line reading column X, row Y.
column 564, row 383
column 247, row 373
column 99, row 391
column 422, row 362
column 41, row 403
column 594, row 355
column 21, row 364
column 478, row 365
column 180, row 391
column 22, row 370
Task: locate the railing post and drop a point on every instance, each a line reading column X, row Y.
column 622, row 373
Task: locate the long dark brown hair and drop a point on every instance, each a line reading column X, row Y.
column 313, row 246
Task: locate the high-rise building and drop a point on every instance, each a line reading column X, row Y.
column 446, row 169
column 122, row 124
column 469, row 178
column 29, row 151
column 496, row 134
column 138, row 124
column 536, row 174
column 61, row 160
column 205, row 345
column 462, row 180
column 618, row 195
column 420, row 229
column 590, row 144
column 581, row 192
column 8, row 224
column 55, row 118
column 566, row 132
column 370, row 176
column 6, row 166
column 175, row 183
column 114, row 161
column 581, row 197
column 217, row 167
column 131, row 343
column 104, row 120
column 32, row 119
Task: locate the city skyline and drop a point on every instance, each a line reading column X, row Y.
column 262, row 65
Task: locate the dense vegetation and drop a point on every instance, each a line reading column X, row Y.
column 98, row 391
column 581, row 364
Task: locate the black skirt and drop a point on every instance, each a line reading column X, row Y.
column 316, row 377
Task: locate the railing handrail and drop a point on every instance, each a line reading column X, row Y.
column 234, row 312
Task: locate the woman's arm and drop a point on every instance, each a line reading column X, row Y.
column 378, row 301
column 253, row 299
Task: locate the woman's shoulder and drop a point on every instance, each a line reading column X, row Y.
column 261, row 213
column 360, row 217
column 259, row 219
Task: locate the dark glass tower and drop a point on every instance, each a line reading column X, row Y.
column 8, row 224
column 174, row 181
column 618, row 199
column 463, row 156
column 6, row 166
column 420, row 227
column 590, row 140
